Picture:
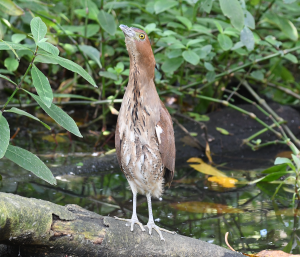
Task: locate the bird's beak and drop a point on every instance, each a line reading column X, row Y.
column 128, row 32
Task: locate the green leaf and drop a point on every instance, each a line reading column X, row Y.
column 225, row 42
column 4, row 135
column 247, row 38
column 161, row 6
column 233, row 10
column 172, row 65
column 17, row 38
column 48, row 48
column 58, row 115
column 5, row 45
column 208, row 66
column 92, row 53
column 204, row 51
column 271, row 177
column 109, row 75
column 4, row 77
column 296, row 161
column 249, row 20
column 223, row 131
column 31, row 162
column 210, row 76
column 185, row 21
column 74, row 96
column 291, row 58
column 10, row 8
column 280, row 160
column 107, row 22
column 11, row 64
column 194, row 41
column 72, row 66
column 257, row 74
column 191, row 57
column 206, row 5
column 276, row 168
column 219, row 27
column 38, row 29
column 21, row 112
column 42, row 85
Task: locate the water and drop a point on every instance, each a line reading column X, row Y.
column 191, row 206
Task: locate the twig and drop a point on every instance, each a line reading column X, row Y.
column 226, row 241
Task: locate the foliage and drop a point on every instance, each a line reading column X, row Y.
column 199, row 46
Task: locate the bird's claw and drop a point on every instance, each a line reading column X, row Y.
column 132, row 221
column 158, row 230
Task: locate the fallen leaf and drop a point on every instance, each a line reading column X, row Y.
column 284, row 154
column 203, row 207
column 65, row 87
column 223, row 131
column 205, row 168
column 50, row 138
column 222, row 182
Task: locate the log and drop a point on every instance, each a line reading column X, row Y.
column 32, row 227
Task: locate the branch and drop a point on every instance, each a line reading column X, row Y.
column 32, row 227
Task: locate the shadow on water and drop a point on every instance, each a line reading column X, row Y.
column 191, row 206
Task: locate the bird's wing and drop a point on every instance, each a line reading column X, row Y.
column 118, row 144
column 165, row 135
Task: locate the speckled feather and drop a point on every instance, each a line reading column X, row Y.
column 144, row 133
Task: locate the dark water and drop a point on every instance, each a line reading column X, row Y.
column 191, row 206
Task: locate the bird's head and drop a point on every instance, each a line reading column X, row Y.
column 139, row 48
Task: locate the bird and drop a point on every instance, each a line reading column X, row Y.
column 144, row 136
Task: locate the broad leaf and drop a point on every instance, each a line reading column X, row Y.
column 161, row 6
column 17, row 38
column 42, row 86
column 4, row 135
column 225, row 42
column 58, row 115
column 108, row 75
column 10, row 8
column 11, row 64
column 247, row 38
column 249, row 20
column 233, row 10
column 38, row 29
column 21, row 112
column 172, row 65
column 107, row 22
column 72, row 66
column 30, row 162
column 209, row 66
column 191, row 57
column 185, row 21
column 92, row 53
column 48, row 48
column 271, row 177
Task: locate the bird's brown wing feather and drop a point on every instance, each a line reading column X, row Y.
column 167, row 145
column 118, row 144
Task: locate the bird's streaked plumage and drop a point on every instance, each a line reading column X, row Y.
column 144, row 138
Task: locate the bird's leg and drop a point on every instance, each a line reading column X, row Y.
column 151, row 225
column 134, row 219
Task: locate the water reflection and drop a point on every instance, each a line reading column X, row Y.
column 191, row 206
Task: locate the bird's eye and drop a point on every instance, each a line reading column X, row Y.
column 142, row 36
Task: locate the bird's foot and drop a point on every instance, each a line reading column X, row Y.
column 132, row 221
column 158, row 230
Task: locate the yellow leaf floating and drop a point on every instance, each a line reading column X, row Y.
column 222, row 181
column 205, row 168
column 203, row 207
column 50, row 138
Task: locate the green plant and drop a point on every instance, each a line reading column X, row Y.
column 43, row 52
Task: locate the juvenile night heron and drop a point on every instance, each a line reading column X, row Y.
column 144, row 137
